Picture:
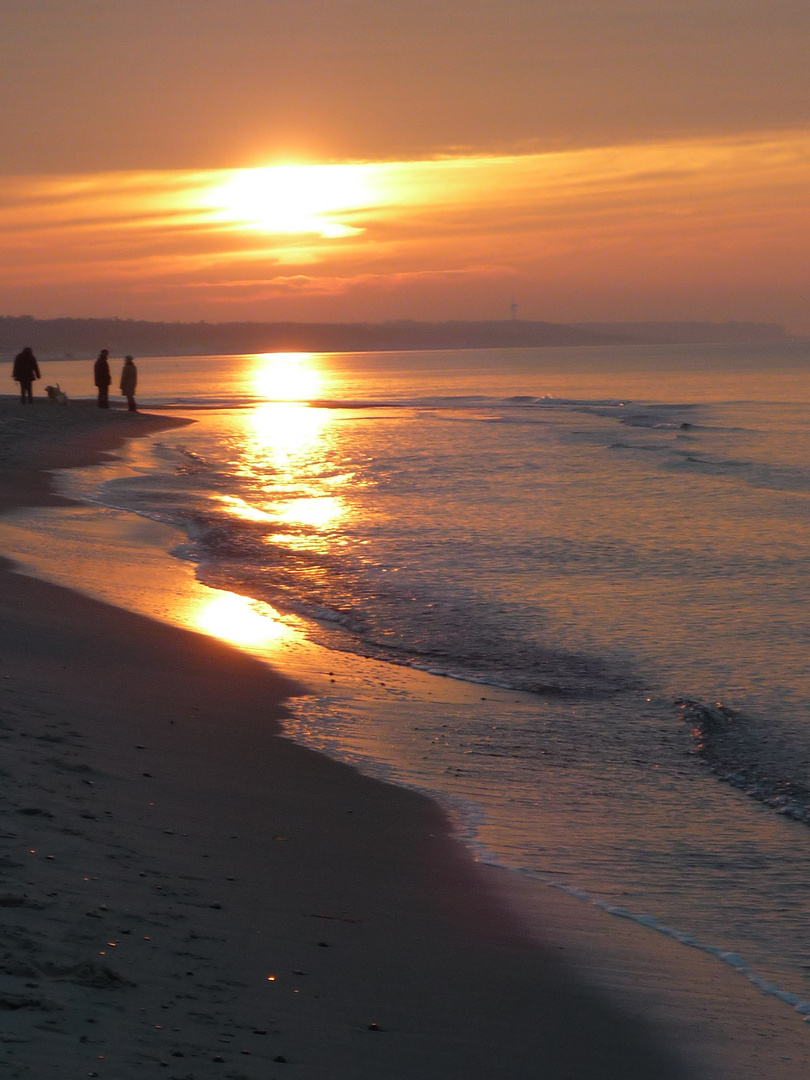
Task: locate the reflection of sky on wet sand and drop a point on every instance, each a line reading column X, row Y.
column 237, row 620
column 123, row 560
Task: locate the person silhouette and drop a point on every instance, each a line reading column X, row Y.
column 26, row 369
column 129, row 380
column 102, row 377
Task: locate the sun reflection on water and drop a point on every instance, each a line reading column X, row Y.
column 287, row 376
column 319, row 511
column 285, row 437
column 241, row 509
column 293, row 486
column 286, row 460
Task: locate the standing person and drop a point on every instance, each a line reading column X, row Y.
column 101, row 374
column 129, row 380
column 26, row 369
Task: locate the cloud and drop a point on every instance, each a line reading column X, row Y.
column 641, row 223
column 301, row 285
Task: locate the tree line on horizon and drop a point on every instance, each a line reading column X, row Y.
column 76, row 338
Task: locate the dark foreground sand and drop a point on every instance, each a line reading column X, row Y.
column 184, row 894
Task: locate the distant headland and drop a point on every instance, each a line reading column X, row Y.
column 82, row 338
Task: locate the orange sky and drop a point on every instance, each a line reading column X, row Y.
column 598, row 159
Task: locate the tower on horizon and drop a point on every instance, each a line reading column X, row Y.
column 513, row 306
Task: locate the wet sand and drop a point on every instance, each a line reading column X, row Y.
column 185, row 894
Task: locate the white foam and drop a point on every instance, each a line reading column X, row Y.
column 732, row 959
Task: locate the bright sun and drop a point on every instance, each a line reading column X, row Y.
column 293, row 198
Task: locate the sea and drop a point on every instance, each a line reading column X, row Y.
column 564, row 591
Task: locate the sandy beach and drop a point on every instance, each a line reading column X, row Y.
column 183, row 893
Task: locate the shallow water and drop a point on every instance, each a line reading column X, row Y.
column 602, row 534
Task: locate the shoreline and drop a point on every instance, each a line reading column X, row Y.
column 394, row 954
column 43, row 436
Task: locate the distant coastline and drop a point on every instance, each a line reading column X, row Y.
column 68, row 338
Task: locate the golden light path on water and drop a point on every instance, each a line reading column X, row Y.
column 282, row 450
column 286, row 376
column 287, row 441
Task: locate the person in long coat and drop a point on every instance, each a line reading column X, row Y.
column 129, row 380
column 26, row 369
column 102, row 378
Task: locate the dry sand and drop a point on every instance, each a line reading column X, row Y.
column 185, row 894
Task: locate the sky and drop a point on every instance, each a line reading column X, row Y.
column 342, row 160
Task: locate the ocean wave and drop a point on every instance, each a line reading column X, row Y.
column 755, row 474
column 192, row 403
column 757, row 760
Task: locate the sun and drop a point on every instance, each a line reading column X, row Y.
column 293, row 198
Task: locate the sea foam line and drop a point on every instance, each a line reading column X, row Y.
column 466, row 818
column 727, row 956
